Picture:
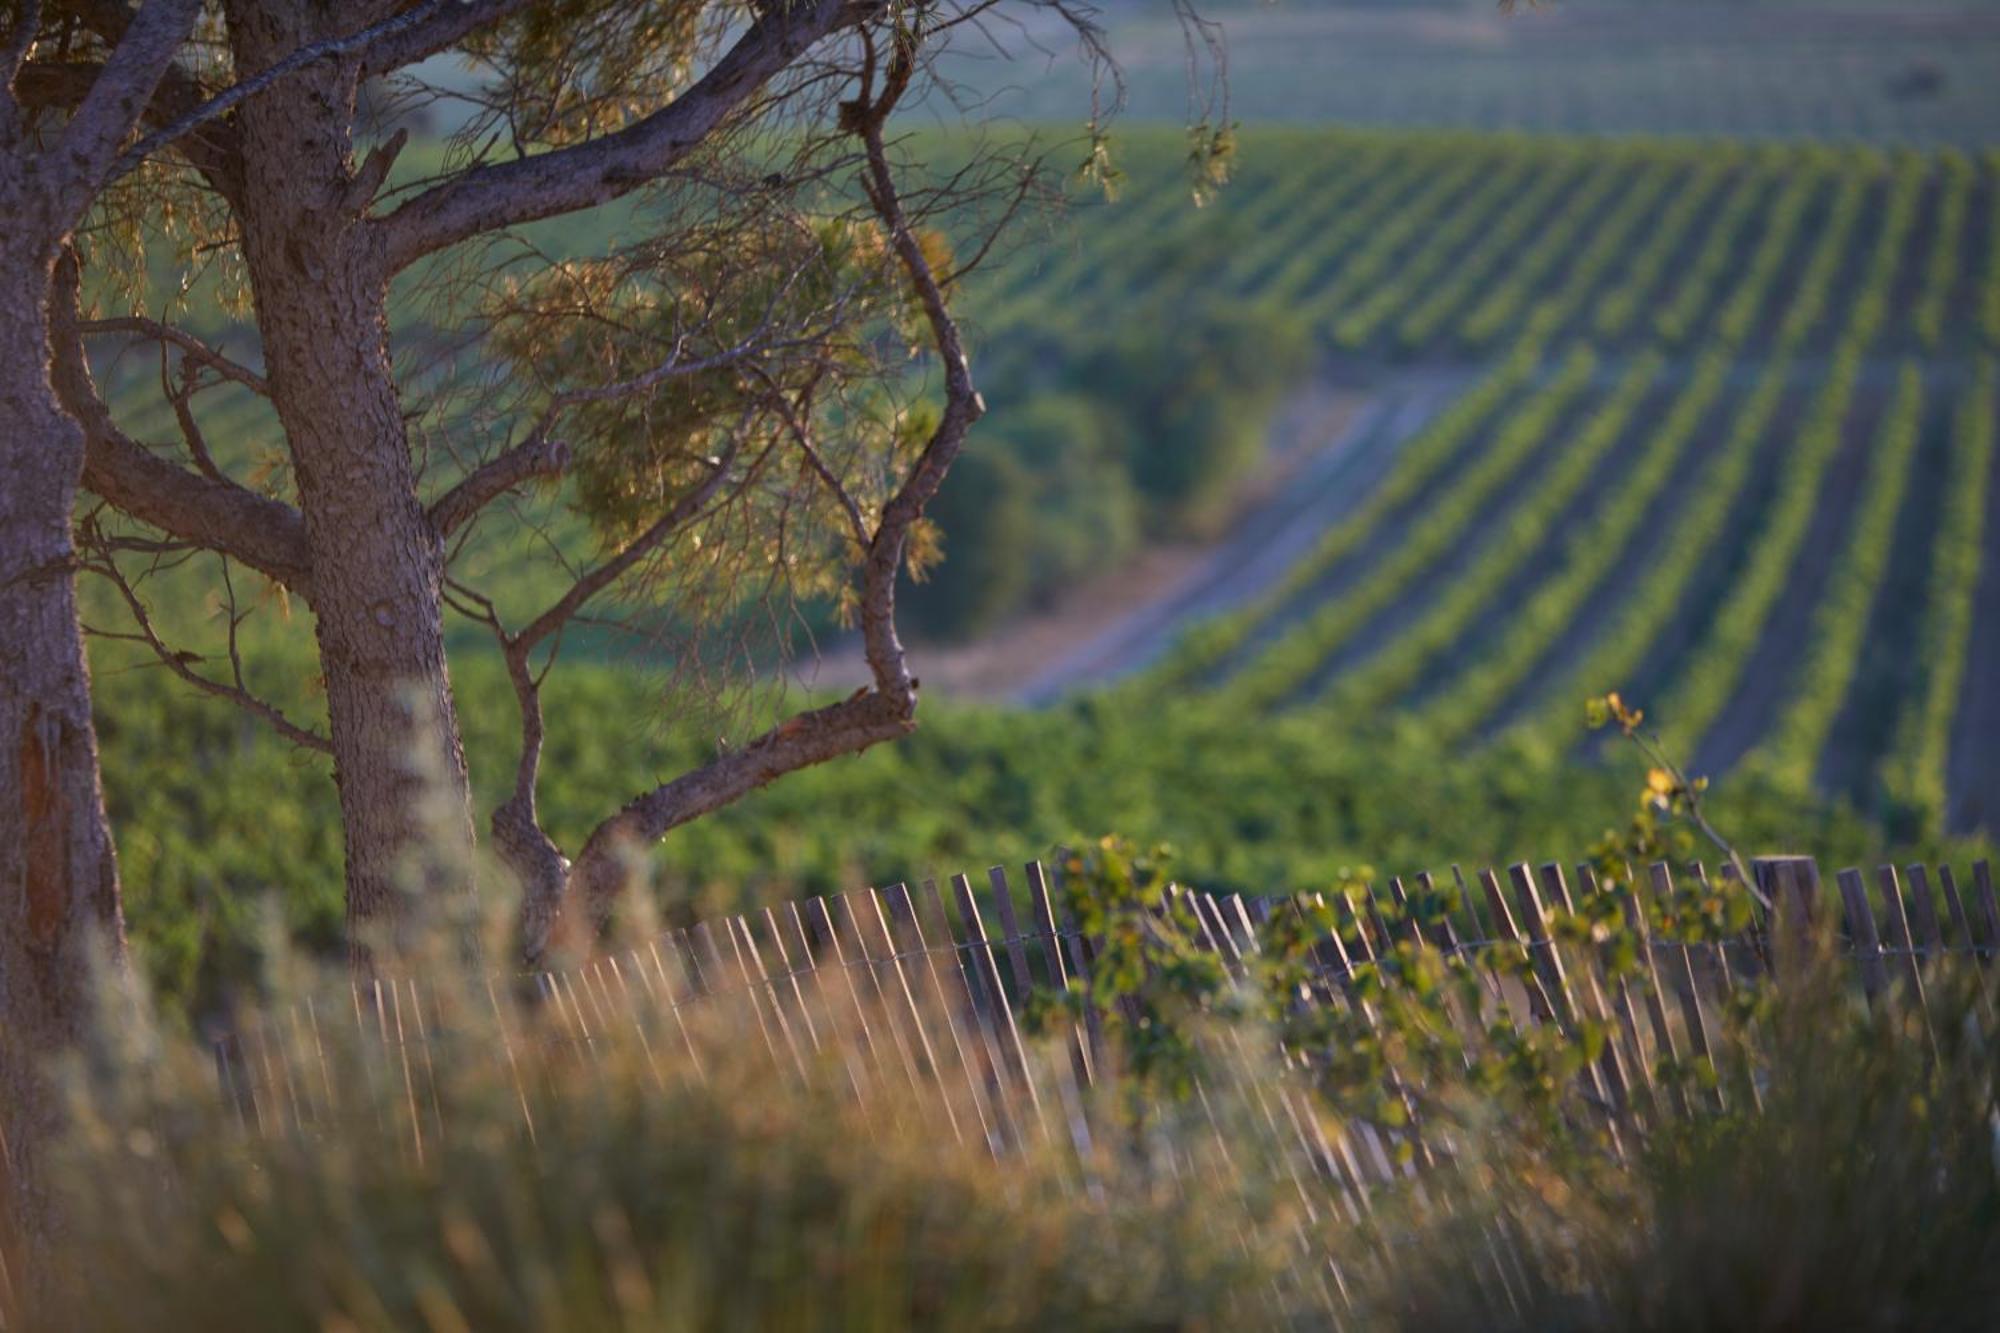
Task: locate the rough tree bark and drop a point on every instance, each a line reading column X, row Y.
column 57, row 865
column 320, row 285
column 59, row 892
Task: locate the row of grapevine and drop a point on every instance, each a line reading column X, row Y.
column 1942, row 268
column 1312, row 243
column 1396, row 245
column 1989, row 299
column 1320, row 260
column 1299, row 654
column 1915, row 771
column 1398, row 667
column 1734, row 222
column 1556, row 251
column 1284, row 212
column 1390, row 673
column 1737, row 316
column 1623, row 644
column 1590, row 554
column 1447, row 193
column 1427, row 317
column 1442, row 244
column 1617, row 308
column 1840, row 620
column 1608, row 246
column 1698, row 699
column 1162, row 204
column 1822, row 267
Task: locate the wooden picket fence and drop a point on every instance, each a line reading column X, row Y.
column 906, row 974
column 919, row 993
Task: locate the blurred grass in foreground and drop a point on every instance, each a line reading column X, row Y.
column 677, row 1169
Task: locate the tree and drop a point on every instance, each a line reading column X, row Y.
column 56, row 858
column 78, row 82
column 752, row 402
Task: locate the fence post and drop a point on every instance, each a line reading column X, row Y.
column 1791, row 885
column 1861, row 930
column 1989, row 910
column 1688, row 993
column 1548, row 962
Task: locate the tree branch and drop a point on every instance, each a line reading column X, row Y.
column 117, row 99
column 182, row 663
column 236, row 94
column 963, row 405
column 541, row 456
column 600, row 874
column 439, row 30
column 566, row 179
column 880, row 712
column 265, row 534
column 212, row 150
column 152, row 330
column 536, row 456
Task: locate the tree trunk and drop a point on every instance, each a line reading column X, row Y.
column 321, row 293
column 58, row 870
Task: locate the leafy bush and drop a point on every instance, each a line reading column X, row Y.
column 1857, row 1185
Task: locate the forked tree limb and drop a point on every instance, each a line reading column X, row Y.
column 219, row 515
column 190, row 346
column 535, row 458
column 885, row 709
column 222, row 103
column 212, row 149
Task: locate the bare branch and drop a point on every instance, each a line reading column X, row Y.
column 181, row 398
column 963, row 405
column 608, row 572
column 182, row 663
column 190, row 346
column 801, row 434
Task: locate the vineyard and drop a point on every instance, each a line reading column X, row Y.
column 1727, row 445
